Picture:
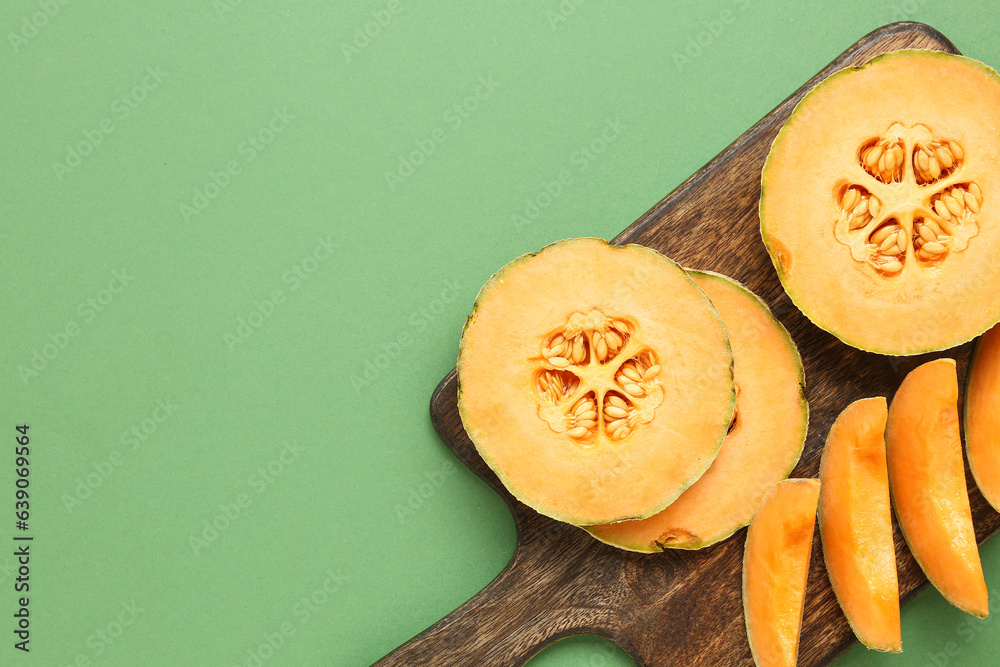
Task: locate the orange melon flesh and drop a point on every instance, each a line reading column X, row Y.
column 762, row 447
column 855, row 524
column 520, row 400
column 927, row 480
column 835, row 274
column 982, row 416
column 775, row 570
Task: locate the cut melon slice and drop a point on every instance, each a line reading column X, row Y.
column 764, row 442
column 880, row 202
column 776, row 568
column 982, row 416
column 855, row 524
column 927, row 480
column 596, row 381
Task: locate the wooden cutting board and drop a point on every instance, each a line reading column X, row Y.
column 683, row 607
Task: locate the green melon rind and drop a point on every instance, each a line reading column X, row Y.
column 512, row 488
column 794, row 353
column 902, row 53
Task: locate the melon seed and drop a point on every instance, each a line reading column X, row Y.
column 882, row 233
column 873, row 207
column 944, row 155
column 952, row 205
column 888, row 242
column 631, row 373
column 971, row 203
column 901, row 240
column 632, row 389
column 892, row 266
column 614, row 411
column 850, row 200
column 935, row 168
column 874, row 153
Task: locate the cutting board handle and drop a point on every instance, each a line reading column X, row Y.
column 503, row 625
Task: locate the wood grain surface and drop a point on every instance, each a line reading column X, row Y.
column 682, row 607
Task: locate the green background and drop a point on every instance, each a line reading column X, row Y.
column 275, row 124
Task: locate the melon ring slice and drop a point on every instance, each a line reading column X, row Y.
column 596, row 381
column 880, row 203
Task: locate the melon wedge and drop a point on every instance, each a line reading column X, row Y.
column 855, row 524
column 927, row 480
column 982, row 416
column 764, row 442
column 775, row 570
column 595, row 380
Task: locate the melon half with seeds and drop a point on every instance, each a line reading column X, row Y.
column 596, row 381
column 880, row 202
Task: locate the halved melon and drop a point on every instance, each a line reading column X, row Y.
column 764, row 442
column 927, row 480
column 595, row 380
column 855, row 524
column 776, row 568
column 880, row 202
column 982, row 416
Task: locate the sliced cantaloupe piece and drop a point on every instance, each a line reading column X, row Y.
column 776, row 568
column 880, row 202
column 596, row 381
column 927, row 481
column 765, row 438
column 855, row 524
column 982, row 416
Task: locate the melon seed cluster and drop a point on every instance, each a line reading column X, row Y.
column 595, row 378
column 877, row 217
